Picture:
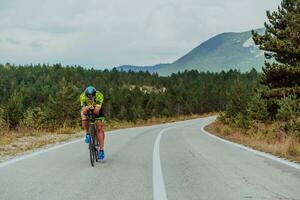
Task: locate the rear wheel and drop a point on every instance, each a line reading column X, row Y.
column 92, row 157
column 92, row 148
column 96, row 147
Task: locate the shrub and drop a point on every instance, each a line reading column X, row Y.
column 3, row 124
column 13, row 110
column 242, row 121
column 288, row 108
column 257, row 108
column 34, row 118
column 289, row 112
column 226, row 130
column 237, row 100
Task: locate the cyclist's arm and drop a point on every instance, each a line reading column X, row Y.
column 82, row 99
column 99, row 99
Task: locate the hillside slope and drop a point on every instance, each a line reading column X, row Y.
column 222, row 52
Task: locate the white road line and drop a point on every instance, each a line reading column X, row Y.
column 263, row 154
column 159, row 191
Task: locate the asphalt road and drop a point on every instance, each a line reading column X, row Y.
column 170, row 161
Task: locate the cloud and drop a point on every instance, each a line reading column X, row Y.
column 110, row 33
column 36, row 45
column 12, row 41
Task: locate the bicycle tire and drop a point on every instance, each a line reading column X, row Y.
column 92, row 157
column 95, row 146
column 92, row 146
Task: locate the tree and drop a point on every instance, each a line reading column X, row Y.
column 281, row 42
column 63, row 107
column 33, row 118
column 13, row 110
column 237, row 100
column 289, row 108
column 289, row 112
column 55, row 89
column 257, row 108
column 3, row 124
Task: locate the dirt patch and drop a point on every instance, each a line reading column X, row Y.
column 22, row 145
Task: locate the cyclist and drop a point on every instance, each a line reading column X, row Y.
column 91, row 98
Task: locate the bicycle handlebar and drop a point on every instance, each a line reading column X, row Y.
column 91, row 114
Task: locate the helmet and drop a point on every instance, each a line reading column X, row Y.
column 90, row 92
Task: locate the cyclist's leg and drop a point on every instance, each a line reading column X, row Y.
column 100, row 130
column 84, row 119
column 100, row 135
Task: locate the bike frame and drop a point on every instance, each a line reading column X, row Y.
column 93, row 138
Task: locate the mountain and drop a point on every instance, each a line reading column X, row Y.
column 222, row 52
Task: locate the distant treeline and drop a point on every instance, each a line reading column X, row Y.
column 43, row 96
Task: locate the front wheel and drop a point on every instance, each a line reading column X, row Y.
column 92, row 156
column 96, row 147
column 92, row 148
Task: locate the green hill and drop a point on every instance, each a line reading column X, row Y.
column 222, row 52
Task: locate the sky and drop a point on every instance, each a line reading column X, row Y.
column 105, row 34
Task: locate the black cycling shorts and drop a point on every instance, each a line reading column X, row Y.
column 100, row 116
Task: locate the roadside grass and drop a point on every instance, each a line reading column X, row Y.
column 16, row 142
column 269, row 138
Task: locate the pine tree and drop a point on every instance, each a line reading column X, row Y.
column 33, row 118
column 237, row 100
column 257, row 108
column 13, row 110
column 64, row 107
column 281, row 42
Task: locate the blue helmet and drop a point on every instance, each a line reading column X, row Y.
column 90, row 92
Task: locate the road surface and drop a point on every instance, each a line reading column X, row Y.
column 169, row 161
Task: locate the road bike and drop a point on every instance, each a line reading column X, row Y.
column 93, row 143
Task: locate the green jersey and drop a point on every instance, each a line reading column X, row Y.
column 84, row 101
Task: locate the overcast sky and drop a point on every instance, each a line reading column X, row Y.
column 107, row 33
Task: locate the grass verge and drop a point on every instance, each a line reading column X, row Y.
column 269, row 138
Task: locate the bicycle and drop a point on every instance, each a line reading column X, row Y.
column 93, row 143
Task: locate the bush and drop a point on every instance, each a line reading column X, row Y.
column 13, row 110
column 3, row 124
column 289, row 111
column 257, row 108
column 289, row 108
column 226, row 130
column 242, row 121
column 34, row 118
column 293, row 126
column 237, row 100
column 63, row 108
column 293, row 147
column 223, row 118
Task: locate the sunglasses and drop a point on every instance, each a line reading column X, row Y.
column 91, row 97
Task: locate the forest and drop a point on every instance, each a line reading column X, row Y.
column 47, row 96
